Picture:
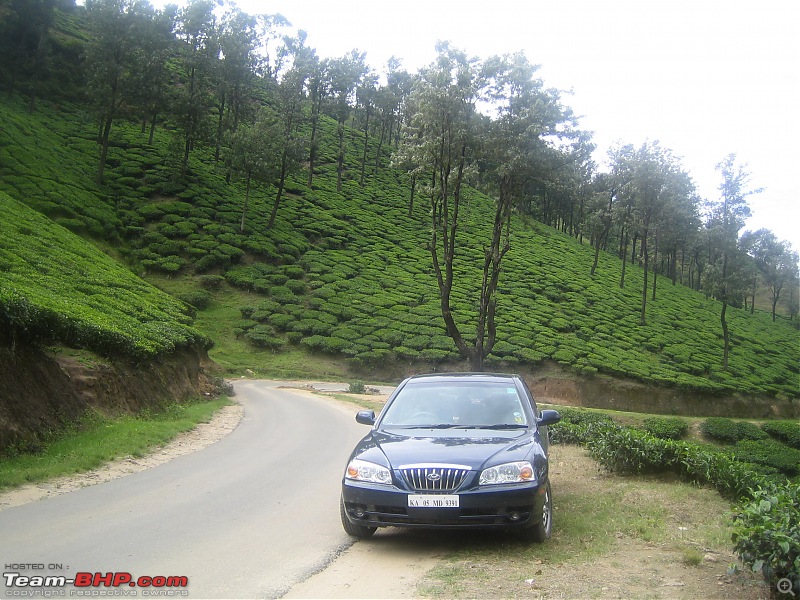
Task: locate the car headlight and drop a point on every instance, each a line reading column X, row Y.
column 361, row 470
column 515, row 472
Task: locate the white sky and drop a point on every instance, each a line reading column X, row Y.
column 704, row 77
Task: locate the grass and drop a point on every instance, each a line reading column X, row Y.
column 597, row 515
column 98, row 439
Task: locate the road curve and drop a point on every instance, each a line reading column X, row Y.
column 247, row 517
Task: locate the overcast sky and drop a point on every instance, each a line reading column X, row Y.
column 704, row 77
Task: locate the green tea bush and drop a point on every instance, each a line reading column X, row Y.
column 766, row 533
column 729, row 431
column 771, row 453
column 666, row 428
column 200, row 299
column 263, row 336
column 787, row 432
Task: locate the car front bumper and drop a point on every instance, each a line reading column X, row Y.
column 511, row 506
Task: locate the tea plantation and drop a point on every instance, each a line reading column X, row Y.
column 57, row 288
column 345, row 274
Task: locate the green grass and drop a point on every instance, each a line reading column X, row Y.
column 593, row 517
column 98, row 440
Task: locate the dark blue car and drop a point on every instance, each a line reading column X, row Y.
column 464, row 450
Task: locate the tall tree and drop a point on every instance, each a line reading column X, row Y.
column 727, row 216
column 345, row 74
column 366, row 95
column 236, row 71
column 113, row 56
column 197, row 30
column 448, row 138
column 24, row 44
column 152, row 77
column 438, row 144
column 290, row 100
column 251, row 151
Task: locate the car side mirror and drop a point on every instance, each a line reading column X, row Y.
column 367, row 417
column 549, row 417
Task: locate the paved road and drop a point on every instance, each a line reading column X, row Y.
column 244, row 518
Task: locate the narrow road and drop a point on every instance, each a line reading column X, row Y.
column 247, row 517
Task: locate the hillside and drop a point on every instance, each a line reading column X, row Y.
column 348, row 275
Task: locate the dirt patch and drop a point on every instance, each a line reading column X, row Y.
column 45, row 390
column 223, row 422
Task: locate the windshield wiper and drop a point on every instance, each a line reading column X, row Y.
column 438, row 426
column 499, row 426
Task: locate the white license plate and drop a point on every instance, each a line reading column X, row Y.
column 433, row 500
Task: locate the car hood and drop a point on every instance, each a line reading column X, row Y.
column 468, row 447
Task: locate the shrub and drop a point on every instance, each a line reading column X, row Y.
column 771, row 453
column 357, row 387
column 264, row 337
column 200, row 299
column 666, row 428
column 766, row 533
column 729, row 431
column 786, row 431
column 211, row 282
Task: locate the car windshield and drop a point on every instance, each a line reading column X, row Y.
column 483, row 404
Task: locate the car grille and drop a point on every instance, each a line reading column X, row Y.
column 434, row 479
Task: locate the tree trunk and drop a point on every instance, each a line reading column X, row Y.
column 246, row 200
column 366, row 146
column 278, row 196
column 642, row 316
column 101, row 168
column 411, row 198
column 624, row 249
column 340, row 158
column 725, row 336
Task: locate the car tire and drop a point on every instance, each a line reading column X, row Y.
column 362, row 532
column 540, row 531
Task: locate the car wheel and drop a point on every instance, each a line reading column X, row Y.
column 540, row 532
column 360, row 531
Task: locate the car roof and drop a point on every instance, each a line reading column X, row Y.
column 453, row 377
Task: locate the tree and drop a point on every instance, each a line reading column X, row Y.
column 24, row 44
column 290, row 99
column 725, row 278
column 252, row 150
column 113, row 56
column 447, row 139
column 236, row 70
column 196, row 28
column 344, row 75
column 775, row 261
column 438, row 143
column 151, row 78
column 366, row 94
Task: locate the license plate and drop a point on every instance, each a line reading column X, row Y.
column 433, row 500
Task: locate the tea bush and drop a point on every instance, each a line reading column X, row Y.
column 766, row 533
column 771, row 453
column 729, row 431
column 666, row 428
column 787, row 432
